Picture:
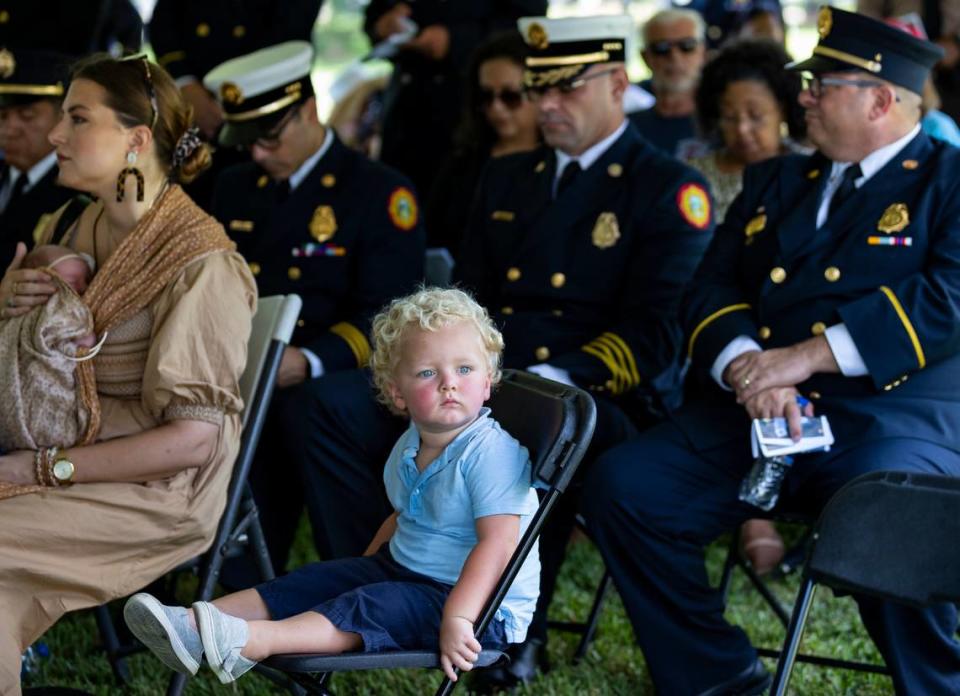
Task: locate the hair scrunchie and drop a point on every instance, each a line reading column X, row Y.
column 186, row 145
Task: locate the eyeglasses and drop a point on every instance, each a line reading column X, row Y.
column 663, row 48
column 510, row 98
column 537, row 92
column 148, row 81
column 271, row 141
column 815, row 85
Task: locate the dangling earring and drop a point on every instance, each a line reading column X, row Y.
column 122, row 178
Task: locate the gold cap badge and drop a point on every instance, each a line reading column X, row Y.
column 606, row 231
column 537, row 36
column 894, row 219
column 230, row 93
column 824, row 22
column 323, row 224
column 7, row 64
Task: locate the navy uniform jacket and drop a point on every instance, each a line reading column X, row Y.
column 348, row 239
column 28, row 211
column 771, row 275
column 192, row 38
column 590, row 282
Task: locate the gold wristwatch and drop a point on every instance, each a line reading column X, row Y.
column 62, row 470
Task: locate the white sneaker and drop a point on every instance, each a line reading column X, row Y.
column 223, row 637
column 166, row 631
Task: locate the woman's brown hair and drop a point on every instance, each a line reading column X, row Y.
column 143, row 94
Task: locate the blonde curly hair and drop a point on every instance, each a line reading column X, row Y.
column 428, row 309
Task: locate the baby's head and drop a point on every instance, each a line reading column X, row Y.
column 75, row 269
column 436, row 355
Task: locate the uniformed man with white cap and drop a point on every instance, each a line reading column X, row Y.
column 832, row 287
column 315, row 218
column 581, row 250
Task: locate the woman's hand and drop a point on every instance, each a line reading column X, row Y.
column 458, row 647
column 23, row 289
column 18, row 467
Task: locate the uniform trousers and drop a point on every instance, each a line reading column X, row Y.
column 652, row 506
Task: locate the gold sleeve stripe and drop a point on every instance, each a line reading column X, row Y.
column 355, row 339
column 905, row 320
column 617, row 352
column 706, row 322
column 607, row 359
column 168, row 58
column 631, row 363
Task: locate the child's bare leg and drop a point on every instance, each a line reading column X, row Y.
column 309, row 632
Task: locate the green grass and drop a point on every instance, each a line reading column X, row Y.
column 613, row 666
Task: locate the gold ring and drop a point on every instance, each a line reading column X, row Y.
column 745, row 382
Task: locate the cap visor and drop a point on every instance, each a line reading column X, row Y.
column 240, row 134
column 818, row 64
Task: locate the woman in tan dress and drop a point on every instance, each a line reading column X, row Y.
column 144, row 488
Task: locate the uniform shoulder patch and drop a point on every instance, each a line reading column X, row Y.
column 402, row 207
column 694, row 205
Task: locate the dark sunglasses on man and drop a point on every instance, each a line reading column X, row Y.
column 510, row 98
column 663, row 48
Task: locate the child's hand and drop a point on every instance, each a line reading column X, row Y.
column 458, row 647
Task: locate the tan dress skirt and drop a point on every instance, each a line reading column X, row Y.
column 77, row 547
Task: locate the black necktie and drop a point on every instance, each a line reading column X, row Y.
column 17, row 190
column 846, row 188
column 569, row 175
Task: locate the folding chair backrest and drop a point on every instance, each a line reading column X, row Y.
column 553, row 421
column 894, row 535
column 275, row 319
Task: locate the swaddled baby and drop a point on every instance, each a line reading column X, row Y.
column 38, row 355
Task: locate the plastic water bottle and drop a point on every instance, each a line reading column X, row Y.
column 761, row 485
column 31, row 659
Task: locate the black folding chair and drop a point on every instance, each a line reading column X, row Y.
column 239, row 529
column 891, row 535
column 555, row 423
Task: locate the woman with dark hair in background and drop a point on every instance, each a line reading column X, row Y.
column 747, row 107
column 497, row 120
column 142, row 489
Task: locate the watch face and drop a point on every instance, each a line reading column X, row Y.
column 63, row 470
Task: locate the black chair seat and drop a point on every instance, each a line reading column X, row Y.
column 348, row 662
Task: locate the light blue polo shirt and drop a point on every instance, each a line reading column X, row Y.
column 484, row 471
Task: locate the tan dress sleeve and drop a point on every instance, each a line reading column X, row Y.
column 198, row 348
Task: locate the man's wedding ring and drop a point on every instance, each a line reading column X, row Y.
column 745, row 382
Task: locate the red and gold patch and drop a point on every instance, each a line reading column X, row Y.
column 403, row 209
column 694, row 205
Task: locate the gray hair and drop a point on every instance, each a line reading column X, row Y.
column 676, row 14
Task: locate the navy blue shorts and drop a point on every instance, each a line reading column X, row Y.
column 389, row 606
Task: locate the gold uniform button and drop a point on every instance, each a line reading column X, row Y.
column 328, row 180
column 506, row 310
column 254, row 268
column 294, row 273
column 832, row 274
column 814, row 395
column 542, row 353
column 615, row 170
column 263, row 181
column 540, row 167
column 558, row 280
column 905, row 378
column 239, row 31
column 818, row 328
column 764, row 332
column 557, row 312
column 513, row 274
column 888, row 387
column 4, row 17
column 301, row 323
column 778, row 275
column 203, row 30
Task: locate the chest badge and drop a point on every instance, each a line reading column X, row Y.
column 606, row 231
column 894, row 219
column 756, row 225
column 323, row 224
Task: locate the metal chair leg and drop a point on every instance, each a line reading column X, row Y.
column 111, row 645
column 794, row 634
column 728, row 565
column 590, row 629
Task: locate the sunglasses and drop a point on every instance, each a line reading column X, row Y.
column 568, row 87
column 510, row 98
column 148, row 82
column 663, row 48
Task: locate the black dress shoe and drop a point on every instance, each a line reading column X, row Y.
column 527, row 659
column 752, row 681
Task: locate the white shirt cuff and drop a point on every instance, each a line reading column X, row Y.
column 551, row 372
column 733, row 350
column 845, row 351
column 316, row 364
column 185, row 80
